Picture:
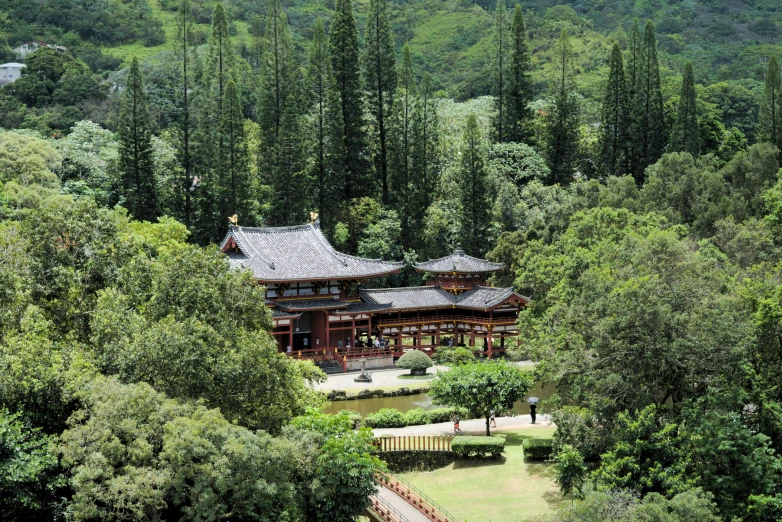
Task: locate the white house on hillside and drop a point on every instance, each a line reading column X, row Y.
column 30, row 47
column 10, row 72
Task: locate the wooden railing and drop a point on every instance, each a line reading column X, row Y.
column 342, row 355
column 432, row 319
column 415, row 497
column 413, row 443
column 385, row 511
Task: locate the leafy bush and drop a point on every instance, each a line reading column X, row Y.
column 416, row 361
column 385, row 418
column 437, row 415
column 417, row 417
column 450, row 355
column 478, row 446
column 538, row 449
column 579, row 427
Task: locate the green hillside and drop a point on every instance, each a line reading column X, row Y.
column 726, row 41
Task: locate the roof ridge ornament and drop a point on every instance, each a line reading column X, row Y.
column 458, row 251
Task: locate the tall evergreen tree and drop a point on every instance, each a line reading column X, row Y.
column 183, row 52
column 401, row 146
column 564, row 119
column 233, row 162
column 474, row 190
column 770, row 124
column 319, row 82
column 426, row 158
column 279, row 72
column 685, row 136
column 343, row 46
column 137, row 168
column 257, row 47
column 501, row 73
column 380, row 74
column 633, row 57
column 289, row 202
column 615, row 118
column 648, row 132
column 519, row 92
column 221, row 55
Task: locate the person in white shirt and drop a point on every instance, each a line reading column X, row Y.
column 306, row 343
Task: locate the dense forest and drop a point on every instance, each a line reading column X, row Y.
column 621, row 159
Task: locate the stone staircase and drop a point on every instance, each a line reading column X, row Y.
column 330, row 367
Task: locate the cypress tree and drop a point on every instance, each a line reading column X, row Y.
column 519, row 126
column 426, row 157
column 685, row 136
column 563, row 121
column 770, row 122
column 235, row 184
column 500, row 84
column 614, row 118
column 648, row 133
column 401, row 145
column 183, row 54
column 257, row 47
column 633, row 57
column 221, row 57
column 289, row 204
column 278, row 72
column 343, row 47
column 380, row 67
column 473, row 190
column 135, row 149
column 318, row 82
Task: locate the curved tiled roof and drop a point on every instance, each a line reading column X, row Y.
column 410, row 298
column 298, row 253
column 432, row 297
column 363, row 308
column 459, row 263
column 483, row 297
column 304, row 305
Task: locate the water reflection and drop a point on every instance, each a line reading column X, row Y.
column 422, row 400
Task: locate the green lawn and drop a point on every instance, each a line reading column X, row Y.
column 487, row 490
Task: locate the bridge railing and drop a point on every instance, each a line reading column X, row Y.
column 386, row 444
column 416, row 498
column 385, row 511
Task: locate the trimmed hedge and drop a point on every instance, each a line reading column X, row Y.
column 393, row 418
column 538, row 449
column 418, row 460
column 438, row 415
column 385, row 418
column 467, row 446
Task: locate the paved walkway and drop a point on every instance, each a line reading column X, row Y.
column 380, row 379
column 383, row 378
column 401, row 505
column 469, row 427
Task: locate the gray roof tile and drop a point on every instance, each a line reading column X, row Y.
column 303, row 305
column 458, row 262
column 298, row 253
column 410, row 298
column 483, row 297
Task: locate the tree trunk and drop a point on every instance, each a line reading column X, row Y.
column 488, row 434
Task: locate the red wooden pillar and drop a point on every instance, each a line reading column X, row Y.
column 353, row 331
column 290, row 334
column 328, row 329
column 489, row 340
column 472, row 336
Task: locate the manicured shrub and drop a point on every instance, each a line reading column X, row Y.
column 416, row 361
column 354, row 416
column 416, row 417
column 385, row 418
column 478, row 446
column 538, row 449
column 453, row 355
column 444, row 414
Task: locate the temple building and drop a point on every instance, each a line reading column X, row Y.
column 319, row 304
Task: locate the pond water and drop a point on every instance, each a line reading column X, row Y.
column 422, row 400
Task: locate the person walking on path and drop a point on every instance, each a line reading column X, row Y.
column 456, row 428
column 532, row 408
column 492, row 420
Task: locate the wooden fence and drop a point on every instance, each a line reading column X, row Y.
column 415, row 497
column 413, row 443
